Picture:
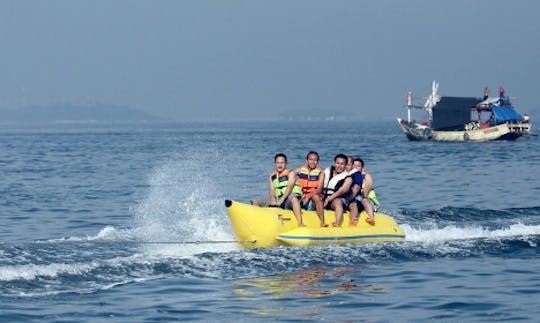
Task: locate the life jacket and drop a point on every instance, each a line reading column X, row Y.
column 281, row 181
column 372, row 196
column 332, row 184
column 309, row 179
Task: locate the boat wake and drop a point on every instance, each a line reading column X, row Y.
column 455, row 233
column 178, row 232
column 115, row 257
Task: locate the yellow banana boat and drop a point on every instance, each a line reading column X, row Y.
column 263, row 227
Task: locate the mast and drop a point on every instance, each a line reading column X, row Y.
column 409, row 104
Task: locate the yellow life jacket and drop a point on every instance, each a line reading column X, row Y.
column 281, row 181
column 372, row 196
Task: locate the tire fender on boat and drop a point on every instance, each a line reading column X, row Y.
column 427, row 133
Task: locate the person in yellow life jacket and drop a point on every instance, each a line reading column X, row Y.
column 282, row 188
column 363, row 195
column 311, row 180
column 337, row 185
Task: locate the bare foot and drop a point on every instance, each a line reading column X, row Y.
column 353, row 222
column 371, row 221
column 324, row 225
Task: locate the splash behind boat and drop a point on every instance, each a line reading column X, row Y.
column 262, row 227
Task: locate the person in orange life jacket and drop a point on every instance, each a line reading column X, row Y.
column 337, row 184
column 362, row 185
column 311, row 180
column 283, row 191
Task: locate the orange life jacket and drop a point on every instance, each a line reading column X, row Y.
column 309, row 179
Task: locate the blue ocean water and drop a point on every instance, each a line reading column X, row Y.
column 82, row 207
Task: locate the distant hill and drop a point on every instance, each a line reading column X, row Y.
column 70, row 113
column 317, row 114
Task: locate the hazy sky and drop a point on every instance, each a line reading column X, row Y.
column 254, row 59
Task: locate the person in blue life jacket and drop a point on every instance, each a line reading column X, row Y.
column 283, row 190
column 363, row 195
column 337, row 184
column 357, row 180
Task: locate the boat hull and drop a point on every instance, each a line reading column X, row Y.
column 263, row 227
column 499, row 132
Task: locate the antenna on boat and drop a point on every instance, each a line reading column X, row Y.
column 409, row 105
column 433, row 98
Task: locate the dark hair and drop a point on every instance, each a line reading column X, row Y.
column 341, row 156
column 359, row 160
column 312, row 153
column 280, row 155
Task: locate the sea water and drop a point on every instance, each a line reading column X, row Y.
column 126, row 223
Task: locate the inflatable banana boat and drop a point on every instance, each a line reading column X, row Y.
column 263, row 227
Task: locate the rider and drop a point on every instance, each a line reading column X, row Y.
column 337, row 184
column 282, row 189
column 311, row 180
column 363, row 195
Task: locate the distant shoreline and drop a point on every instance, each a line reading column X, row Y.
column 75, row 114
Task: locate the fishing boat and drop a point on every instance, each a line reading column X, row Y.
column 464, row 118
column 263, row 227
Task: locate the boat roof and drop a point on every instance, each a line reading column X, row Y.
column 452, row 112
column 506, row 114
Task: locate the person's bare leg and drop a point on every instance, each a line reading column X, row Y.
column 369, row 210
column 295, row 203
column 353, row 209
column 338, row 209
column 319, row 208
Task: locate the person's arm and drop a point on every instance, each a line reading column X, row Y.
column 355, row 191
column 321, row 184
column 342, row 190
column 272, row 197
column 345, row 187
column 357, row 185
column 368, row 186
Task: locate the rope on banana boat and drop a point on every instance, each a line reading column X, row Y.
column 124, row 241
